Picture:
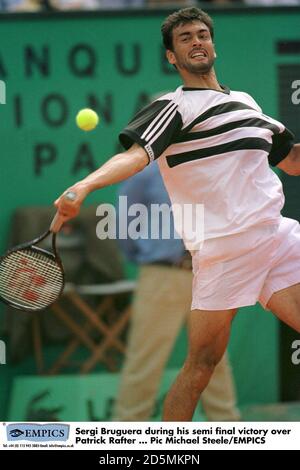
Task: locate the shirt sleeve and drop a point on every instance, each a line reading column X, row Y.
column 281, row 146
column 154, row 128
column 253, row 102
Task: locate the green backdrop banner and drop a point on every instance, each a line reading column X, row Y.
column 93, row 396
column 53, row 66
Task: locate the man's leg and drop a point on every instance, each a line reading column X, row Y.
column 160, row 307
column 219, row 397
column 285, row 304
column 208, row 337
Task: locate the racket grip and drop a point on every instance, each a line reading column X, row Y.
column 56, row 223
column 58, row 220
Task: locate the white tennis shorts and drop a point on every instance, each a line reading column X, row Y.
column 241, row 269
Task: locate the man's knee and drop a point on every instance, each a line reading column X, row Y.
column 208, row 338
column 200, row 366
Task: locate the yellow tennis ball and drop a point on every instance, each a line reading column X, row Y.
column 87, row 119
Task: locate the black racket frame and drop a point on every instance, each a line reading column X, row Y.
column 53, row 256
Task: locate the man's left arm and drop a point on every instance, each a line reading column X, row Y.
column 291, row 163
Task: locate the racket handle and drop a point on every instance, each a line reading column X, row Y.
column 56, row 223
column 58, row 220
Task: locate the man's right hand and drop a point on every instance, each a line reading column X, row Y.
column 69, row 203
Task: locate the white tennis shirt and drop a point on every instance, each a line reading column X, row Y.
column 214, row 148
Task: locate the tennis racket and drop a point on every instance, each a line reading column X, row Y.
column 31, row 278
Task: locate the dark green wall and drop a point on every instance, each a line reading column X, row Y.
column 115, row 60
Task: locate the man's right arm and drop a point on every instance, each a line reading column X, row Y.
column 115, row 170
column 153, row 128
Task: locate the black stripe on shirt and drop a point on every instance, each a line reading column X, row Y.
column 250, row 122
column 141, row 128
column 247, row 143
column 219, row 109
column 140, row 123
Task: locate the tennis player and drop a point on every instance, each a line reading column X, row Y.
column 214, row 146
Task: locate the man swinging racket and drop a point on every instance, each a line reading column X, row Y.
column 214, row 146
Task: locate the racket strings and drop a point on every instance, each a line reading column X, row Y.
column 30, row 279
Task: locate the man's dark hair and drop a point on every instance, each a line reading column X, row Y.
column 186, row 15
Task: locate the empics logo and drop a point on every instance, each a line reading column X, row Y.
column 2, row 92
column 16, row 433
column 37, row 432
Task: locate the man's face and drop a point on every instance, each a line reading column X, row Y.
column 193, row 49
